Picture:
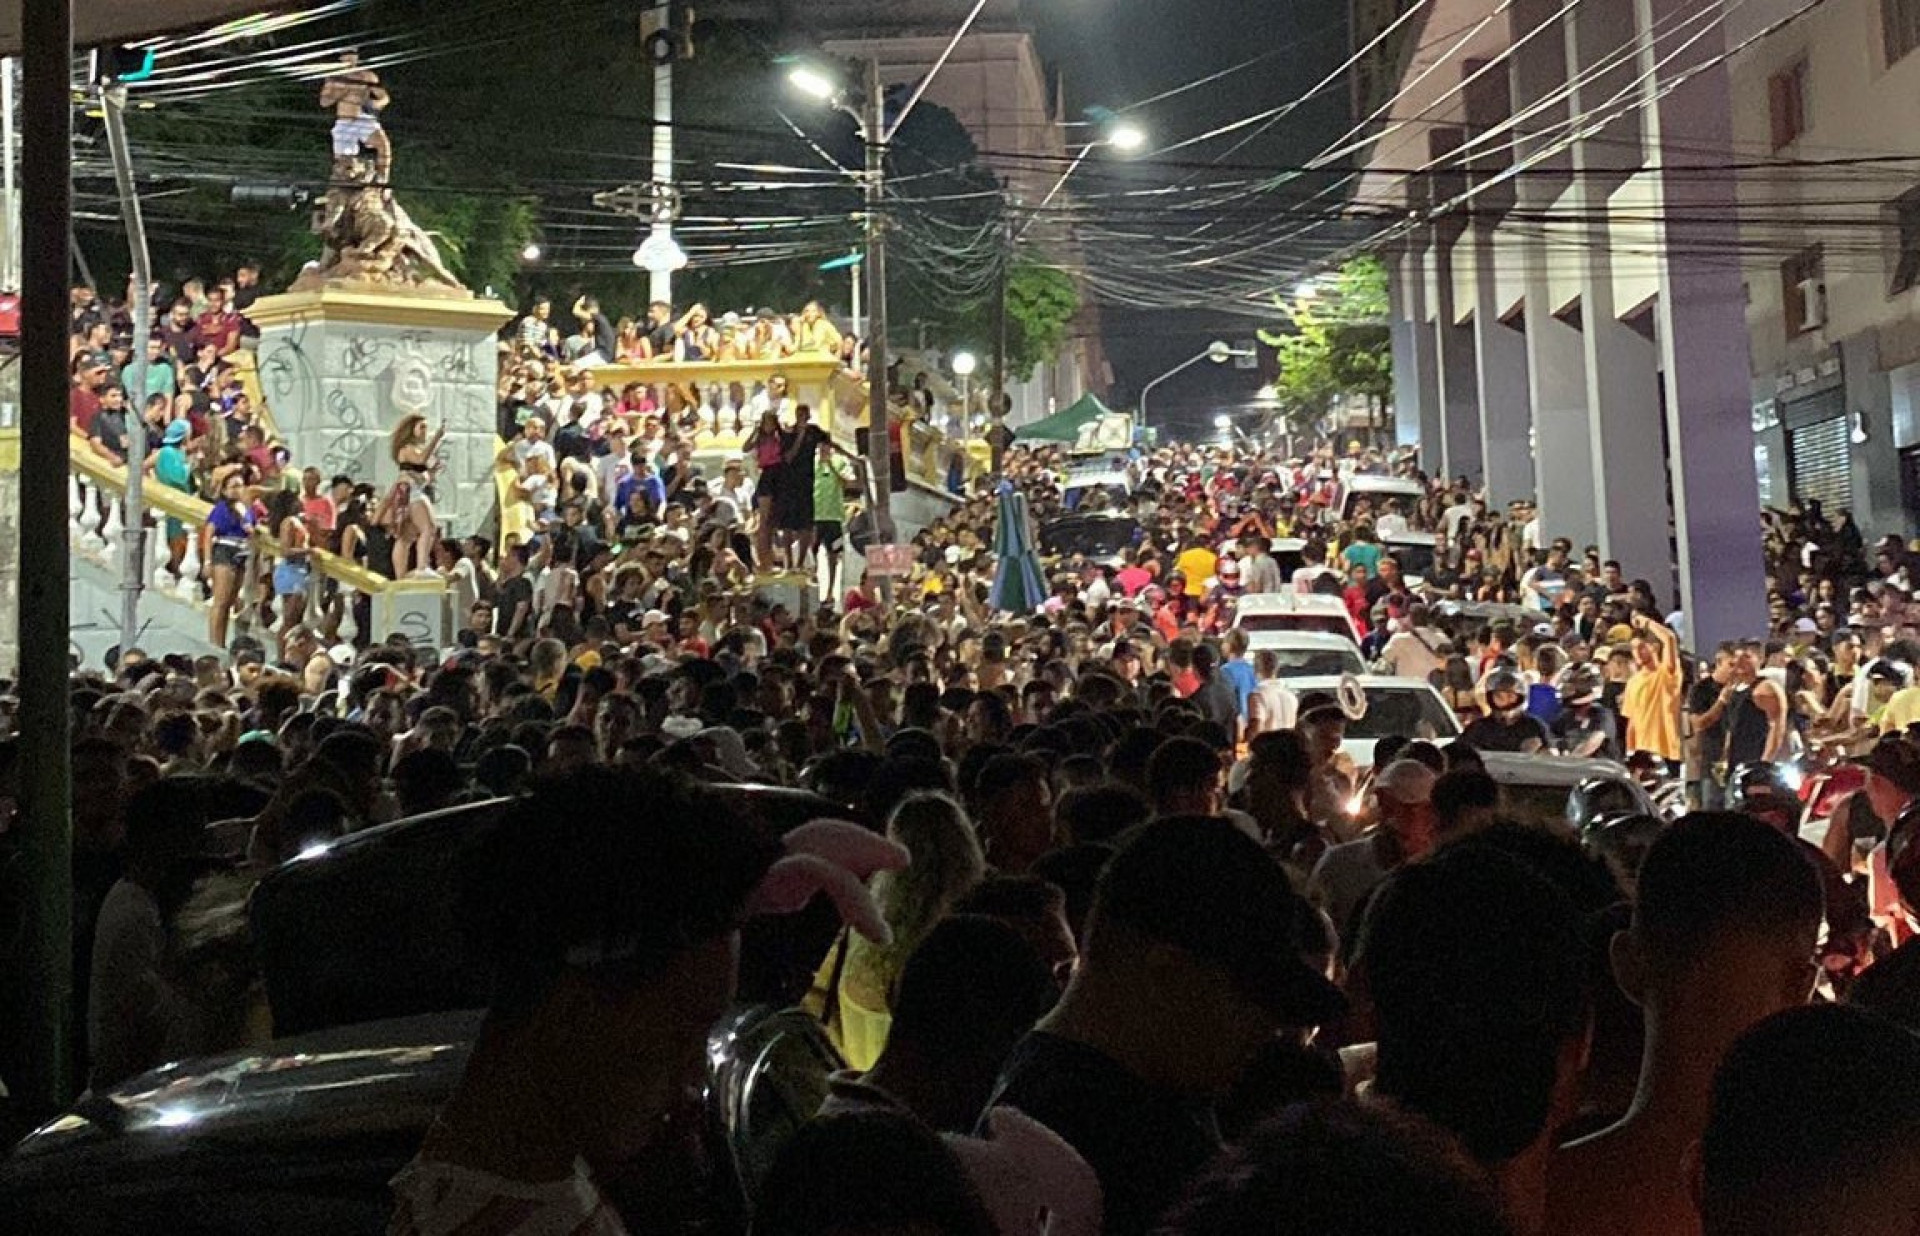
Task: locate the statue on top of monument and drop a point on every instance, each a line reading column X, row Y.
column 366, row 235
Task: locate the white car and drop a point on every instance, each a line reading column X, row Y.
column 1539, row 788
column 1378, row 490
column 1312, row 654
column 1414, row 552
column 1403, row 706
column 1291, row 611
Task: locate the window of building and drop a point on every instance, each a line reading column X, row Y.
column 1803, row 292
column 1906, row 258
column 1787, row 103
column 1900, row 27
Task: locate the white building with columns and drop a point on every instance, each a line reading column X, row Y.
column 1569, row 316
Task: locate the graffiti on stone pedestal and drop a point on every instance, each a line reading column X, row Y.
column 352, row 432
column 288, row 377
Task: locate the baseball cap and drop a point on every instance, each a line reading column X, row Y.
column 1200, row 884
column 1895, row 758
column 1406, row 781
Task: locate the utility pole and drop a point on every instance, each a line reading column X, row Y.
column 879, row 438
column 133, row 574
column 10, row 254
column 44, row 1004
column 997, row 414
column 656, row 20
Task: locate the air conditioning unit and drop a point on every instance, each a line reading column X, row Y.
column 1813, row 304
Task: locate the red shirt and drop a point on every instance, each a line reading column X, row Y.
column 1132, row 579
column 220, row 329
column 81, row 405
column 858, row 600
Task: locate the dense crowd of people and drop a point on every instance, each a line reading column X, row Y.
column 1136, row 945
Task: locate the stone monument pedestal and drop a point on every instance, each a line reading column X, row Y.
column 341, row 364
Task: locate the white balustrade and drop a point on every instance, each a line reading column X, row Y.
column 76, row 500
column 90, row 521
column 160, row 553
column 349, row 625
column 112, row 529
column 188, row 587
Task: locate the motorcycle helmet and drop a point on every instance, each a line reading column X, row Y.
column 1580, row 686
column 1596, row 800
column 1505, row 680
column 1622, row 842
column 1760, row 788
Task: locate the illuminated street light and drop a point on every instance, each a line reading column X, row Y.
column 964, row 364
column 530, row 254
column 813, row 83
column 1126, row 138
column 1223, row 422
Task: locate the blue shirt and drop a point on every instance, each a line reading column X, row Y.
column 648, row 482
column 1241, row 677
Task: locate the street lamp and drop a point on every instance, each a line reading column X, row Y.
column 870, row 118
column 1223, row 422
column 1122, row 136
column 964, row 365
column 1219, row 352
column 813, row 83
column 531, row 253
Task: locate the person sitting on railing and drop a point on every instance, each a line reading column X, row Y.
column 772, row 340
column 219, row 325
column 630, row 344
column 694, row 338
column 593, row 322
column 817, row 335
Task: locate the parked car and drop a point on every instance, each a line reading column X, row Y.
column 1309, row 653
column 1104, row 538
column 375, row 1001
column 365, row 929
column 304, row 1134
column 1379, row 490
column 1290, row 611
column 1395, row 706
column 1566, row 790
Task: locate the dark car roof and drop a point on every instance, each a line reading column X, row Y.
column 299, row 1136
column 367, row 929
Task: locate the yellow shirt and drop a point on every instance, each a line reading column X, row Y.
column 1901, row 711
column 818, row 336
column 1651, row 705
column 1197, row 564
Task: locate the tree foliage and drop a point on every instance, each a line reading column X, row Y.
column 1338, row 344
column 1042, row 302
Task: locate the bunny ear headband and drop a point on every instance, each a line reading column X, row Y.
column 835, row 858
column 824, row 856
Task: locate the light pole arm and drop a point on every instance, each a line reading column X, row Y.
column 1182, row 367
column 921, row 89
column 1054, row 192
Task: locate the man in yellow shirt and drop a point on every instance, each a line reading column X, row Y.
column 1198, row 564
column 1901, row 711
column 1650, row 701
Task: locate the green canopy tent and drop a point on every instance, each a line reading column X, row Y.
column 1065, row 425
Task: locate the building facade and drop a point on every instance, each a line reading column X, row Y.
column 1831, row 245
column 1569, row 319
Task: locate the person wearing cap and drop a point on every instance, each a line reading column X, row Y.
column 1893, row 792
column 1193, row 962
column 1403, row 833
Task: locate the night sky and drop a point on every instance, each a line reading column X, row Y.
column 1113, row 52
